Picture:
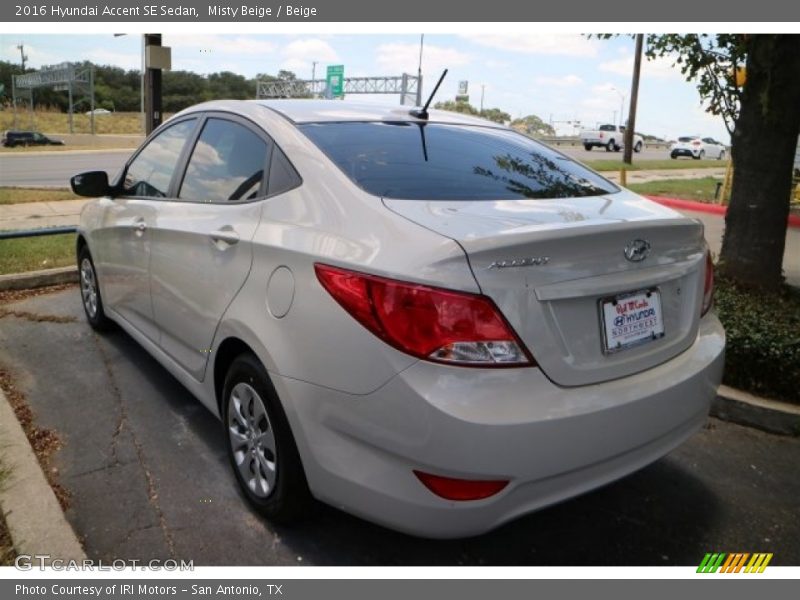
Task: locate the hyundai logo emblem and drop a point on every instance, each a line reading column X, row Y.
column 637, row 250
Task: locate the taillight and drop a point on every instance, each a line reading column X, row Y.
column 708, row 286
column 601, row 135
column 696, row 143
column 460, row 489
column 430, row 323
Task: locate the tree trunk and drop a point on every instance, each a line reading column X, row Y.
column 764, row 143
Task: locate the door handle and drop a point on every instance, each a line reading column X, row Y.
column 225, row 235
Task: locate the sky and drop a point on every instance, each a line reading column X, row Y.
column 561, row 78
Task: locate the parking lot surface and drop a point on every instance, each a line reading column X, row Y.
column 146, row 467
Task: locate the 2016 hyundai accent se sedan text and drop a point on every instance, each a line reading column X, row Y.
column 429, row 321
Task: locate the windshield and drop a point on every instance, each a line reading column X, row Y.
column 434, row 161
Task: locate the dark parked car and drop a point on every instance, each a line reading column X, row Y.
column 28, row 138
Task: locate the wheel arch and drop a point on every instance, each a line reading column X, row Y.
column 226, row 353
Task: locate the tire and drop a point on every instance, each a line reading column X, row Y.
column 638, row 147
column 721, row 155
column 588, row 147
column 611, row 146
column 700, row 156
column 90, row 293
column 261, row 447
column 673, row 156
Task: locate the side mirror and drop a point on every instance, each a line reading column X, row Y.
column 91, row 184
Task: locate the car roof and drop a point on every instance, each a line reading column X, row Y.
column 321, row 111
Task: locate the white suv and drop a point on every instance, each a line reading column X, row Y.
column 437, row 324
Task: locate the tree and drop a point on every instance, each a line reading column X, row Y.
column 459, row 107
column 533, row 126
column 492, row 114
column 763, row 117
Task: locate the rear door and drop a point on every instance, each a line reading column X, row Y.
column 202, row 239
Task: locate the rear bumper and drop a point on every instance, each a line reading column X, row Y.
column 551, row 442
column 684, row 152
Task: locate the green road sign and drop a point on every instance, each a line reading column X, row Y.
column 335, row 81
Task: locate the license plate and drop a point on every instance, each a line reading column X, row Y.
column 631, row 319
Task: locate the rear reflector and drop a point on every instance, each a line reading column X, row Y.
column 430, row 323
column 460, row 489
column 708, row 285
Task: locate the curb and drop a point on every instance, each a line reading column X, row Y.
column 34, row 279
column 746, row 409
column 32, row 513
column 704, row 207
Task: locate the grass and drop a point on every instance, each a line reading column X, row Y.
column 701, row 190
column 22, row 195
column 644, row 164
column 762, row 352
column 56, row 122
column 32, row 254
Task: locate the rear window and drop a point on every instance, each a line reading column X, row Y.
column 685, row 139
column 434, row 161
column 609, row 128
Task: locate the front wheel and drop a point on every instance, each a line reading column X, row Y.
column 261, row 448
column 587, row 147
column 638, row 147
column 701, row 155
column 90, row 293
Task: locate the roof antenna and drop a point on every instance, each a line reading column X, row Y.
column 423, row 112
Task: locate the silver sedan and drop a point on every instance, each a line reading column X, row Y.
column 430, row 321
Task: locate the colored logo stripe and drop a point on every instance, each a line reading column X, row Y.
column 734, row 562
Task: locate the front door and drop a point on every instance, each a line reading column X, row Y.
column 121, row 245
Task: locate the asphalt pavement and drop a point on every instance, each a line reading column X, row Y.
column 54, row 168
column 146, row 466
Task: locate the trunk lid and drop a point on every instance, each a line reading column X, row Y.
column 549, row 265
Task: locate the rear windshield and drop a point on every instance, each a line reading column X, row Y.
column 685, row 139
column 608, row 128
column 434, row 161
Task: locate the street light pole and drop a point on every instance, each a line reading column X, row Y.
column 313, row 76
column 419, row 70
column 621, row 107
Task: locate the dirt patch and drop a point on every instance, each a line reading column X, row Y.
column 45, row 442
column 35, row 317
column 11, row 296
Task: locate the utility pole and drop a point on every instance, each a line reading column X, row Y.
column 156, row 60
column 629, row 130
column 21, row 48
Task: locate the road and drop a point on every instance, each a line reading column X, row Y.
column 145, row 464
column 54, row 168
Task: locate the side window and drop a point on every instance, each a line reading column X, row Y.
column 151, row 171
column 227, row 164
column 282, row 176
